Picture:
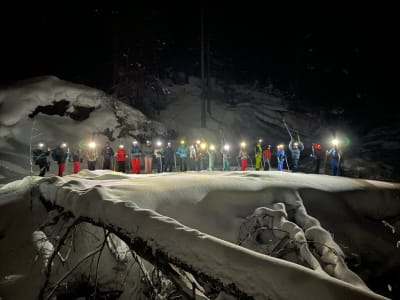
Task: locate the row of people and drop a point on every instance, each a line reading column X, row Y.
column 198, row 156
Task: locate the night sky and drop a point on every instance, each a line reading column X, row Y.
column 328, row 52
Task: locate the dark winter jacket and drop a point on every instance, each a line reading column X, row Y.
column 40, row 157
column 169, row 154
column 316, row 153
column 76, row 156
column 296, row 150
column 59, row 155
column 107, row 152
column 135, row 151
column 334, row 153
column 148, row 150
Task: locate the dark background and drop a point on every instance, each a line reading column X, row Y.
column 332, row 53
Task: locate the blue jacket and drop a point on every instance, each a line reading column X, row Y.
column 334, row 153
column 182, row 151
column 280, row 154
column 135, row 151
column 296, row 151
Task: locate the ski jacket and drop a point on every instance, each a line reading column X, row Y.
column 148, row 150
column 211, row 154
column 225, row 154
column 121, row 154
column 136, row 151
column 107, row 152
column 258, row 149
column 316, row 153
column 296, row 150
column 39, row 156
column 169, row 153
column 59, row 155
column 267, row 154
column 334, row 153
column 159, row 152
column 194, row 153
column 76, row 156
column 280, row 155
column 243, row 154
column 182, row 151
column 91, row 155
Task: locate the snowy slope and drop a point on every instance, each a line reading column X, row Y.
column 195, row 220
column 248, row 113
column 50, row 110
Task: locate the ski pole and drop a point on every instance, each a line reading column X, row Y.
column 175, row 163
column 287, row 164
column 287, row 128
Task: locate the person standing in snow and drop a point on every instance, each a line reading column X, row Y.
column 168, row 158
column 60, row 155
column 76, row 160
column 108, row 154
column 258, row 154
column 203, row 156
column 296, row 149
column 211, row 158
column 182, row 153
column 316, row 157
column 121, row 156
column 194, row 157
column 39, row 156
column 159, row 155
column 335, row 156
column 243, row 156
column 136, row 152
column 280, row 155
column 267, row 158
column 91, row 156
column 226, row 156
column 148, row 151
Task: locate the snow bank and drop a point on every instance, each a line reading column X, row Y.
column 167, row 211
column 51, row 111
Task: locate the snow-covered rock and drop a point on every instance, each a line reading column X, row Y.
column 51, row 111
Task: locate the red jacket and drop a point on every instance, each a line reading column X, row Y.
column 121, row 154
column 267, row 154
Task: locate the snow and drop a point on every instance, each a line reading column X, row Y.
column 17, row 129
column 196, row 218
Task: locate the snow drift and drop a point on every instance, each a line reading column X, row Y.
column 195, row 221
column 51, row 111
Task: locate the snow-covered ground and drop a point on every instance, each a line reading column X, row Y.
column 311, row 226
column 52, row 111
column 260, row 234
